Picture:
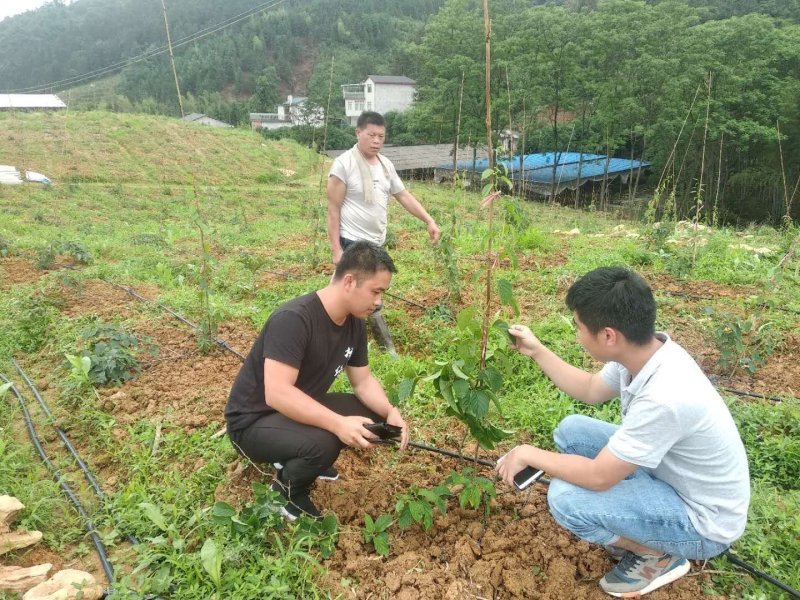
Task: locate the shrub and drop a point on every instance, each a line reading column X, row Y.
column 112, row 354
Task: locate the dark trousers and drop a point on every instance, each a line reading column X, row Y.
column 303, row 450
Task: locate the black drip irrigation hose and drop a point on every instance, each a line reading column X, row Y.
column 221, row 343
column 87, row 473
column 291, row 277
column 752, row 394
column 406, row 300
column 488, row 463
column 87, row 520
column 732, row 558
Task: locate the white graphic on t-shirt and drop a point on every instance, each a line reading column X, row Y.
column 348, row 353
column 338, row 370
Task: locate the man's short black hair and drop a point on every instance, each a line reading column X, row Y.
column 364, row 258
column 615, row 297
column 370, row 117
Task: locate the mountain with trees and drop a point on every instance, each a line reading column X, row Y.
column 705, row 90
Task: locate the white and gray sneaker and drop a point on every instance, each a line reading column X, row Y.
column 635, row 575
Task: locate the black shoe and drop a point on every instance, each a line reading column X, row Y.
column 329, row 474
column 299, row 506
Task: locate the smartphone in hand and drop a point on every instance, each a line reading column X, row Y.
column 526, row 477
column 384, row 431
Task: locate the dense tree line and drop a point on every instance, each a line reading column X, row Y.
column 630, row 78
column 702, row 99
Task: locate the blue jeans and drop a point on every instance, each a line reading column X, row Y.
column 640, row 508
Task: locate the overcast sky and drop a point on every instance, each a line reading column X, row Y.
column 13, row 7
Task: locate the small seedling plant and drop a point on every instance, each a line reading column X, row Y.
column 742, row 342
column 475, row 491
column 419, row 505
column 48, row 254
column 375, row 533
column 111, row 352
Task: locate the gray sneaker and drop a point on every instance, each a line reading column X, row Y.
column 614, row 553
column 636, row 575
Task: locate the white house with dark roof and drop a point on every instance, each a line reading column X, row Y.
column 381, row 93
column 295, row 111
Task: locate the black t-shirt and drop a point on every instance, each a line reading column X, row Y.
column 302, row 335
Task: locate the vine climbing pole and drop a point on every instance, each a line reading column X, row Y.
column 487, row 29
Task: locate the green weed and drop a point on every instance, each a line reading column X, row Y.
column 111, row 353
column 742, row 342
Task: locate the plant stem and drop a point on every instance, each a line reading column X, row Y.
column 487, row 28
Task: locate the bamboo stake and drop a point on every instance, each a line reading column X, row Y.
column 487, row 28
column 318, row 224
column 786, row 216
column 715, row 211
column 458, row 129
column 699, row 194
column 172, row 57
column 522, row 150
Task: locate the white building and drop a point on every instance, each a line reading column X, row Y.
column 202, row 119
column 381, row 93
column 31, row 102
column 295, row 111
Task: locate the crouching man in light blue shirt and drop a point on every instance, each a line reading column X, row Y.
column 668, row 485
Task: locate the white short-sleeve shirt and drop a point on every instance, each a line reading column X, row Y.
column 359, row 220
column 676, row 425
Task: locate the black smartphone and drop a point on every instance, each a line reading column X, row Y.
column 384, row 430
column 526, row 477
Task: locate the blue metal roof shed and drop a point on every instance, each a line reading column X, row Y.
column 537, row 172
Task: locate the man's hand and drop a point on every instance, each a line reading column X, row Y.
column 336, row 254
column 350, row 431
column 395, row 418
column 513, row 462
column 527, row 343
column 433, row 231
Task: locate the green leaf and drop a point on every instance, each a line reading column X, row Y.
column 405, row 519
column 466, row 319
column 383, row 522
column 381, row 543
column 406, row 389
column 458, row 372
column 152, row 512
column 487, row 173
column 5, row 387
column 223, row 509
column 446, row 390
column 476, row 403
column 506, row 293
column 493, row 378
column 461, row 390
column 211, row 559
column 369, row 523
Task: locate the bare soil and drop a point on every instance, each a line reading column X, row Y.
column 16, row 271
column 519, row 552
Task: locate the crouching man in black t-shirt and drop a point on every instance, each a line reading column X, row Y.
column 279, row 409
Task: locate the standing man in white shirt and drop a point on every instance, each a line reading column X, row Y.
column 360, row 183
column 671, row 482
